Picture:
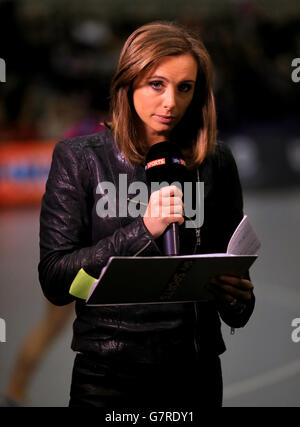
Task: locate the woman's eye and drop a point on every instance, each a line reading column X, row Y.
column 156, row 85
column 185, row 87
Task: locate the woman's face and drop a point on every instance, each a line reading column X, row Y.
column 162, row 95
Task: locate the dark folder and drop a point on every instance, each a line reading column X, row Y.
column 138, row 280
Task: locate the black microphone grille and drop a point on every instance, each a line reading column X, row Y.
column 164, row 153
column 165, row 163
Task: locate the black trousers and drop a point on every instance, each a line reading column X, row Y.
column 181, row 386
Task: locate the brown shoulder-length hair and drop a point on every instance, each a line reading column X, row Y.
column 196, row 132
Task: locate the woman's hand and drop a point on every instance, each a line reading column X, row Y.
column 232, row 291
column 165, row 206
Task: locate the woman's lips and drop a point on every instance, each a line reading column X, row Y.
column 165, row 119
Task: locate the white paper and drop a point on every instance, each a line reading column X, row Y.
column 244, row 240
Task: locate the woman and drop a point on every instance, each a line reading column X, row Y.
column 148, row 355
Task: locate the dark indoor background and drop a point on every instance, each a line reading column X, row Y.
column 60, row 57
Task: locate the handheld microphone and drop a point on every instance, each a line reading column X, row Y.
column 165, row 163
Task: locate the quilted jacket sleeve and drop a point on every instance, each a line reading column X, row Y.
column 65, row 228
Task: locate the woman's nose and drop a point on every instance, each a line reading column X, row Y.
column 169, row 98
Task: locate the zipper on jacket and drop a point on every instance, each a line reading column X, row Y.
column 141, row 250
column 198, row 239
column 195, row 338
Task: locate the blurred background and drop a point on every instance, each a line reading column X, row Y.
column 59, row 58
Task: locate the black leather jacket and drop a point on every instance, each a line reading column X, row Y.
column 73, row 236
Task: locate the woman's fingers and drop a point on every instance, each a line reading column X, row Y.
column 166, row 202
column 237, row 282
column 170, row 191
column 232, row 289
column 165, row 206
column 234, row 292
